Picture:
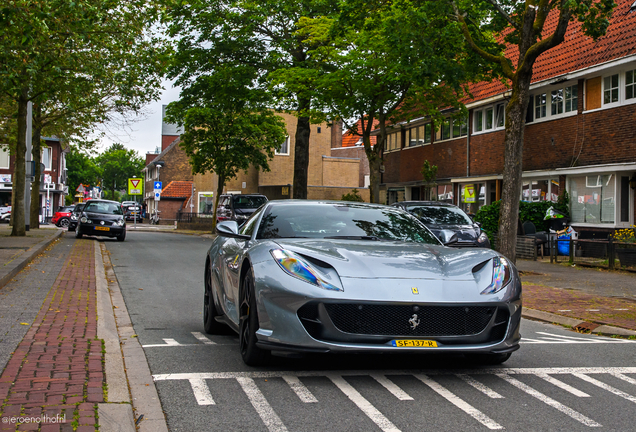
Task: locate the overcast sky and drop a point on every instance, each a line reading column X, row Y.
column 145, row 135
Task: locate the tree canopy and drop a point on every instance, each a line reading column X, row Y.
column 116, row 166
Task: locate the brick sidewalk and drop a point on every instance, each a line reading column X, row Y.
column 57, row 368
column 613, row 311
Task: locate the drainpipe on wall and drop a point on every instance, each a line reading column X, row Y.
column 468, row 152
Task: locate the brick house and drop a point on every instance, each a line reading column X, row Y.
column 579, row 136
column 54, row 184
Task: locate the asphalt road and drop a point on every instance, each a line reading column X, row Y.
column 558, row 381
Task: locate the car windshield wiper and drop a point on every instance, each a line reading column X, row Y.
column 351, row 237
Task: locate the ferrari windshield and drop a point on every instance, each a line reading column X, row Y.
column 440, row 215
column 347, row 221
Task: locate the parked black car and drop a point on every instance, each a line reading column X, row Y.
column 238, row 207
column 131, row 210
column 438, row 216
column 101, row 218
column 75, row 215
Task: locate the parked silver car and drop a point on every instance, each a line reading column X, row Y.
column 309, row 276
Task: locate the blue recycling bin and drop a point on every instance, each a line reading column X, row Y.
column 563, row 247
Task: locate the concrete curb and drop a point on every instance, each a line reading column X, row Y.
column 574, row 322
column 28, row 256
column 145, row 399
column 116, row 414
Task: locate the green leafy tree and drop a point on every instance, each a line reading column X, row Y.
column 487, row 27
column 383, row 61
column 226, row 127
column 117, row 165
column 49, row 47
column 81, row 169
column 429, row 172
column 261, row 35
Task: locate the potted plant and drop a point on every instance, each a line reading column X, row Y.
column 626, row 246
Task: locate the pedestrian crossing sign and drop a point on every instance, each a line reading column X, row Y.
column 134, row 186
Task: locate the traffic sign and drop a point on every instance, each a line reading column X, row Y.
column 134, row 186
column 157, row 196
column 158, row 185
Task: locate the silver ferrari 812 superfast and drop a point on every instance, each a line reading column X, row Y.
column 345, row 277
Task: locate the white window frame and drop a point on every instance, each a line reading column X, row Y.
column 605, row 89
column 48, row 160
column 284, row 145
column 548, row 92
column 4, row 148
column 484, row 113
column 615, row 176
column 632, row 85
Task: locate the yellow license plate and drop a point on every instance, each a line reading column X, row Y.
column 102, row 228
column 413, row 343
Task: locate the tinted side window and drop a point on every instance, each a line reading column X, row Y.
column 249, row 226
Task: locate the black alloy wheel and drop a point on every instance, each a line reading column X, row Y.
column 210, row 324
column 248, row 324
column 122, row 236
column 64, row 223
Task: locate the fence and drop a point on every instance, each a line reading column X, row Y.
column 598, row 253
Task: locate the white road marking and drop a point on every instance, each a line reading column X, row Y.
column 562, row 385
column 364, row 405
column 549, row 401
column 459, row 403
column 481, row 387
column 260, row 404
column 596, row 339
column 391, row 387
column 624, row 378
column 604, row 386
column 549, row 338
column 168, row 342
column 201, row 391
column 299, row 388
column 201, row 337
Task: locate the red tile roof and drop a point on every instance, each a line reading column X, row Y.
column 350, row 140
column 177, row 189
column 576, row 52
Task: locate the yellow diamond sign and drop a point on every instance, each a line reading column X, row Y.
column 134, row 186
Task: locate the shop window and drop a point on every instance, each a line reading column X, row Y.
column 540, row 106
column 592, row 199
column 284, row 147
column 610, row 89
column 540, row 190
column 472, row 197
column 4, row 156
column 630, row 84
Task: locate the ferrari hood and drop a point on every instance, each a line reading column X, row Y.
column 378, row 259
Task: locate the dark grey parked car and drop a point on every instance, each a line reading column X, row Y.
column 75, row 215
column 238, row 207
column 438, row 216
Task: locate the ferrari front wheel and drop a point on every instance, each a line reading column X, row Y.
column 248, row 325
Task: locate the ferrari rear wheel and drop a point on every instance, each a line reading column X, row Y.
column 210, row 324
column 248, row 324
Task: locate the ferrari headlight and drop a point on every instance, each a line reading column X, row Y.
column 482, row 237
column 501, row 275
column 294, row 265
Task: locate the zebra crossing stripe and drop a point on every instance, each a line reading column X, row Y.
column 624, row 377
column 459, row 403
column 299, row 388
column 479, row 386
column 364, row 405
column 391, row 387
column 201, row 391
column 607, row 387
column 202, row 338
column 260, row 404
column 562, row 385
column 549, row 401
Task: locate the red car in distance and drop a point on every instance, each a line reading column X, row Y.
column 62, row 216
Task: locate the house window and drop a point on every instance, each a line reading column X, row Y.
column 540, row 106
column 500, row 115
column 412, row 138
column 206, row 203
column 479, row 119
column 4, row 156
column 630, row 84
column 593, row 199
column 557, row 102
column 571, row 98
column 446, row 129
column 284, row 147
column 460, row 127
column 46, row 158
column 610, row 89
column 489, row 123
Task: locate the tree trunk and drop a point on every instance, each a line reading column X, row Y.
column 513, row 153
column 37, row 158
column 374, row 155
column 19, row 181
column 219, row 192
column 301, row 152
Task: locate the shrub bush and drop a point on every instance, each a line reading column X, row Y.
column 352, row 196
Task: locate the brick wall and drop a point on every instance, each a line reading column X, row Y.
column 340, row 172
column 166, row 140
column 169, row 209
column 354, row 152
